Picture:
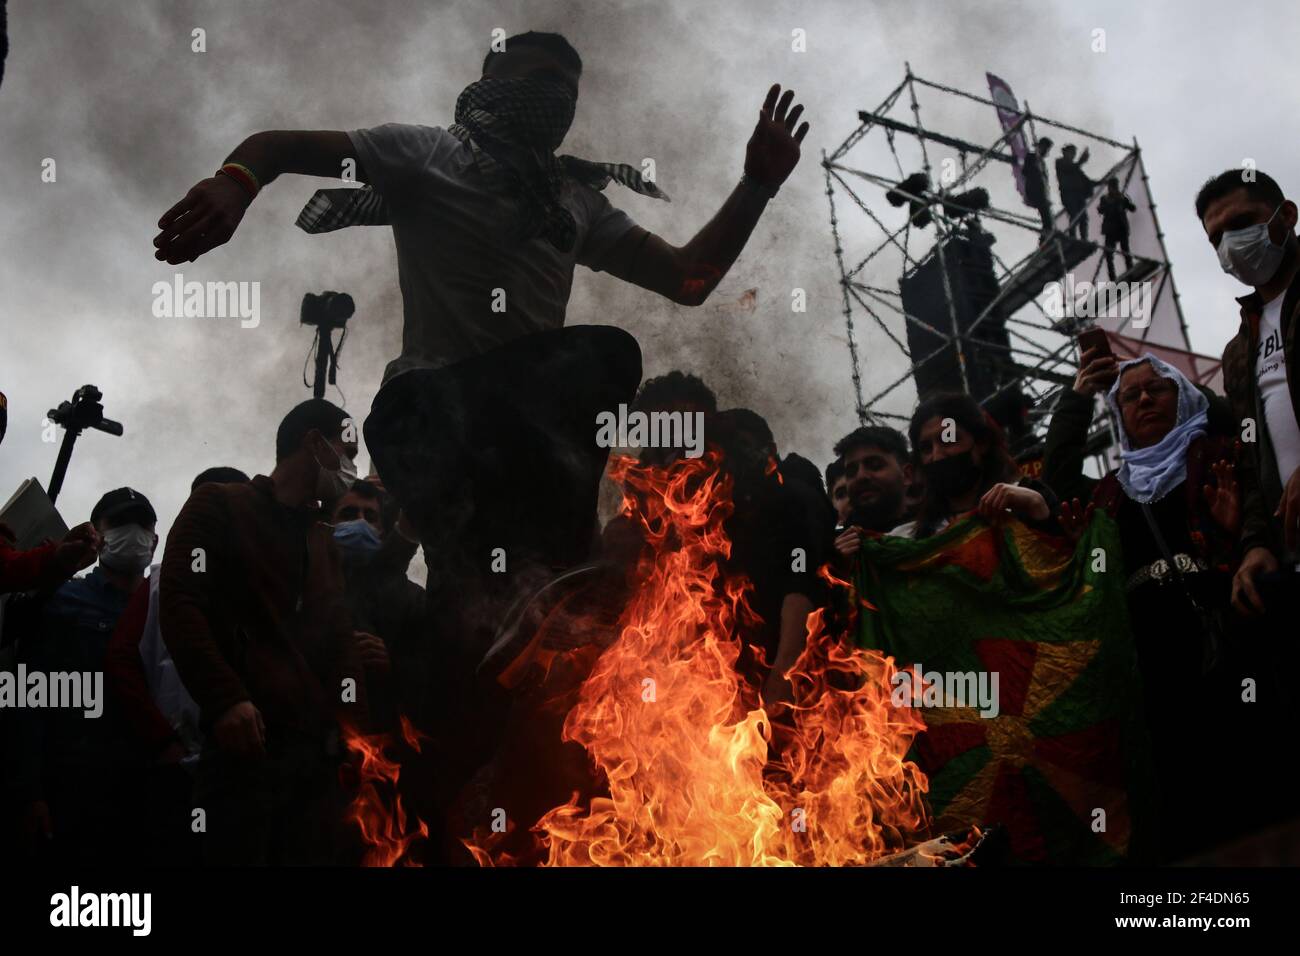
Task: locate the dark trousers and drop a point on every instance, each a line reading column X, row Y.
column 1111, row 241
column 1045, row 214
column 1078, row 219
column 494, row 459
column 286, row 808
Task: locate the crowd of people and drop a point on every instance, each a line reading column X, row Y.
column 281, row 621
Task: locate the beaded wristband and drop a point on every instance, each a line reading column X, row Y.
column 242, row 175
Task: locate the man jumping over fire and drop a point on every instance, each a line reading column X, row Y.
column 484, row 428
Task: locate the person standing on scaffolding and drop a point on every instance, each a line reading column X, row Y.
column 1114, row 208
column 1076, row 188
column 1035, row 173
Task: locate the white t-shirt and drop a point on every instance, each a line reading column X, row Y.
column 908, row 529
column 455, row 246
column 1270, row 370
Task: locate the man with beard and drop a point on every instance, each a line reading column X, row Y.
column 878, row 471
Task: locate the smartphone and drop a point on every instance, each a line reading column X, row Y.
column 1094, row 338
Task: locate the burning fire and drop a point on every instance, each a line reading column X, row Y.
column 377, row 808
column 699, row 772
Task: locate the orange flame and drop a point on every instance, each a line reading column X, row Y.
column 684, row 741
column 377, row 808
column 699, row 772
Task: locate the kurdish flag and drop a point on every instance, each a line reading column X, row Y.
column 1063, row 764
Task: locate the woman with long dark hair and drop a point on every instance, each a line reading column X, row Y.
column 961, row 454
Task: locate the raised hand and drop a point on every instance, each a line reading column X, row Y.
column 1224, row 497
column 1097, row 371
column 206, row 218
column 773, row 149
column 1075, row 517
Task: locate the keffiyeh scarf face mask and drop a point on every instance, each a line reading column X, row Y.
column 517, row 112
column 513, row 125
column 519, row 122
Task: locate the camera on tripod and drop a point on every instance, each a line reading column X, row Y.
column 327, row 310
column 86, row 410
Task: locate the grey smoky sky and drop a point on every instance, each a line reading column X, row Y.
column 112, row 92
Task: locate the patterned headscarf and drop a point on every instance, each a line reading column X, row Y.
column 1148, row 474
column 513, row 125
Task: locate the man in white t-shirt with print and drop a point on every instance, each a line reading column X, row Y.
column 484, row 429
column 1251, row 225
column 1271, row 376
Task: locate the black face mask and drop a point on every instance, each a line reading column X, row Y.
column 883, row 514
column 952, row 476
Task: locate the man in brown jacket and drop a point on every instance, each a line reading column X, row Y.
column 252, row 610
column 1251, row 225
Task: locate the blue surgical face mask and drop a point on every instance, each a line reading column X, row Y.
column 1249, row 255
column 357, row 539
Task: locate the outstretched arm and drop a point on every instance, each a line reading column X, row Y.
column 210, row 212
column 688, row 274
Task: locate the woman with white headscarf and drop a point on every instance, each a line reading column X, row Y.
column 1176, row 503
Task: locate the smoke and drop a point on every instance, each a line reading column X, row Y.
column 132, row 118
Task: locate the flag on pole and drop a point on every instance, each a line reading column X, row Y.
column 1009, row 115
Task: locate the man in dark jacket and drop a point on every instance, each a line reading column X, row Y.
column 1035, row 173
column 1251, row 225
column 1075, row 188
column 68, row 760
column 253, row 614
column 1114, row 208
column 382, row 600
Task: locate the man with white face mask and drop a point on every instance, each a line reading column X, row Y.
column 1251, row 225
column 252, row 610
column 68, row 765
